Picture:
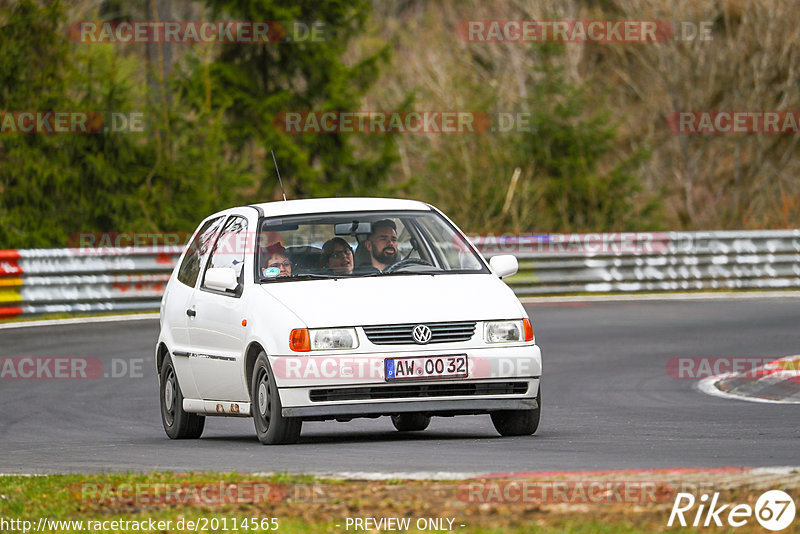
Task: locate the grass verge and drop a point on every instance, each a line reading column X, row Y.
column 214, row 502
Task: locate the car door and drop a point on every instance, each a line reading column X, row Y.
column 216, row 332
column 177, row 302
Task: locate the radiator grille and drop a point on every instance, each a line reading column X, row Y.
column 400, row 334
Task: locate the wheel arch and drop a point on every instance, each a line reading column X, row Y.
column 253, row 350
column 161, row 354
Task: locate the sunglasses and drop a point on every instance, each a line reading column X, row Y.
column 342, row 253
column 278, row 265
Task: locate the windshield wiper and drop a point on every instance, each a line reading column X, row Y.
column 307, row 276
column 431, row 272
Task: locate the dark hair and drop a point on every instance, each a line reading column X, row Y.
column 383, row 223
column 327, row 248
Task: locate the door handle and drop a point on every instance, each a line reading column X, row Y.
column 191, row 313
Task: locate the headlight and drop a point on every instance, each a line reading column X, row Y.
column 333, row 338
column 503, row 331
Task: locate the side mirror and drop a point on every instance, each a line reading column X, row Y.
column 505, row 265
column 221, row 279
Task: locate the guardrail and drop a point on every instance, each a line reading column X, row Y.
column 650, row 261
column 40, row 281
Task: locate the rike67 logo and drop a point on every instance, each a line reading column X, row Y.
column 774, row 510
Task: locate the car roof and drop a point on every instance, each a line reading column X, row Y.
column 325, row 205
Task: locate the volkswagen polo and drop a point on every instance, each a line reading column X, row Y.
column 334, row 309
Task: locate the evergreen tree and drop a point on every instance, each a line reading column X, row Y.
column 301, row 74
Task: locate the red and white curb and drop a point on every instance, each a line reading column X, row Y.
column 777, row 382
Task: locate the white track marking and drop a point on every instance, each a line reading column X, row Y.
column 81, row 320
column 727, row 295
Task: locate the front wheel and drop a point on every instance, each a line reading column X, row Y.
column 178, row 423
column 410, row 422
column 518, row 422
column 272, row 428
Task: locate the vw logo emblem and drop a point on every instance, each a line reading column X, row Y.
column 421, row 334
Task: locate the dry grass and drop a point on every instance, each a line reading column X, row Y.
column 704, row 182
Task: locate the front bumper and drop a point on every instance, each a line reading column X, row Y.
column 442, row 407
column 341, row 386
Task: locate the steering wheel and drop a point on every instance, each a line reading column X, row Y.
column 406, row 262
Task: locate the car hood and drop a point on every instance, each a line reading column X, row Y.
column 397, row 299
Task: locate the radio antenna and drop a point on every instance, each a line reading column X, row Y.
column 279, row 174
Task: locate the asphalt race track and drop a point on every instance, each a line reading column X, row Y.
column 608, row 403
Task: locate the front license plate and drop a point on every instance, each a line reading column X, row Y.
column 424, row 367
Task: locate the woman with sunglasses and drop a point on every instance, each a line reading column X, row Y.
column 337, row 256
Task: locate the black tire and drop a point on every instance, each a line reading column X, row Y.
column 518, row 422
column 272, row 428
column 178, row 424
column 409, row 422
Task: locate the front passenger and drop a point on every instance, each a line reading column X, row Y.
column 337, row 256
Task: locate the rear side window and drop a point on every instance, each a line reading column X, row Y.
column 198, row 249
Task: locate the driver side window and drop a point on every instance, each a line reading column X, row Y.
column 197, row 251
column 229, row 250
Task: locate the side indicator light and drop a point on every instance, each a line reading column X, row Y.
column 528, row 329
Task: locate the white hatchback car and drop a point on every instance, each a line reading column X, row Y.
column 319, row 309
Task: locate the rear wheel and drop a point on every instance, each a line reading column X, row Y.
column 409, row 422
column 272, row 428
column 178, row 424
column 518, row 422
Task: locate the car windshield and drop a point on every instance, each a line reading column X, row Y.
column 359, row 244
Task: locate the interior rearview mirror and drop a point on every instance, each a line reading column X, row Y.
column 352, row 228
